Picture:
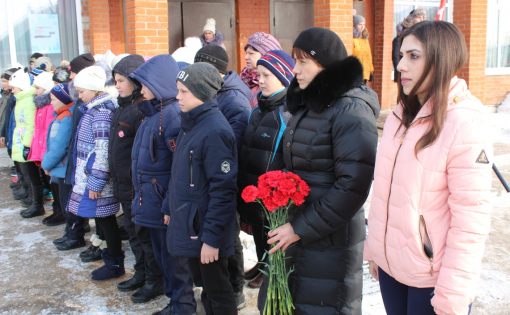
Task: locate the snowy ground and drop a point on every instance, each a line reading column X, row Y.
column 38, row 279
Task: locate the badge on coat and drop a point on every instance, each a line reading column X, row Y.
column 482, row 158
column 121, row 134
column 225, row 167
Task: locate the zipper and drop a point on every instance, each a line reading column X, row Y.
column 272, row 145
column 191, row 169
column 427, row 249
column 388, row 202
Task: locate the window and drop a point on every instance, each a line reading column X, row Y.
column 404, row 7
column 498, row 37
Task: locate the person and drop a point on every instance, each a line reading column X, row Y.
column 258, row 44
column 211, row 35
column 361, row 47
column 261, row 154
column 92, row 194
column 202, row 191
column 415, row 16
column 32, row 59
column 24, row 116
column 187, row 53
column 430, row 210
column 75, row 226
column 330, row 142
column 234, row 103
column 152, row 156
column 44, row 115
column 126, row 121
column 56, row 156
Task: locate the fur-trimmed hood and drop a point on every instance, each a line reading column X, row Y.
column 42, row 100
column 333, row 82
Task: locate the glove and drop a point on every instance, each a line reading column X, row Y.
column 26, row 151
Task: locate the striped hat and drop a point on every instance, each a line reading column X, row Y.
column 61, row 92
column 280, row 64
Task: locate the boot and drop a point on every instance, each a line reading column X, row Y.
column 131, row 284
column 57, row 217
column 92, row 253
column 149, row 291
column 19, row 193
column 27, row 202
column 113, row 267
column 37, row 208
column 68, row 244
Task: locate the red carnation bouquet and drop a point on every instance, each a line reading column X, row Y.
column 276, row 192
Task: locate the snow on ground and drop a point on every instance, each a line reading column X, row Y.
column 38, row 279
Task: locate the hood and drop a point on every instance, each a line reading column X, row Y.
column 218, row 39
column 232, row 81
column 330, row 84
column 128, row 65
column 42, row 100
column 159, row 74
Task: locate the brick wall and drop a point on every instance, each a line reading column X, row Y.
column 381, row 52
column 337, row 16
column 471, row 18
column 117, row 36
column 99, row 16
column 252, row 16
column 147, row 27
column 85, row 25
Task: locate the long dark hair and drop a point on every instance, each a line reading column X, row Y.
column 445, row 55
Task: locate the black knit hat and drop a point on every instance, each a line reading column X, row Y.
column 214, row 55
column 322, row 44
column 81, row 62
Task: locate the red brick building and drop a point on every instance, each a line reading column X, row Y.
column 159, row 26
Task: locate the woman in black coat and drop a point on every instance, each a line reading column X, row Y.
column 330, row 142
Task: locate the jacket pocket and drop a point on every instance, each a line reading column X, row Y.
column 158, row 189
column 153, row 148
column 194, row 223
column 426, row 242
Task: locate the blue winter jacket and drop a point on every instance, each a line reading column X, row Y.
column 202, row 191
column 9, row 122
column 234, row 102
column 155, row 141
column 57, row 140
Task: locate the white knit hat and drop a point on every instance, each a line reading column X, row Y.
column 20, row 79
column 210, row 25
column 91, row 78
column 45, row 81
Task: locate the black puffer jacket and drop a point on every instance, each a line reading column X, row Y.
column 261, row 149
column 125, row 123
column 331, row 143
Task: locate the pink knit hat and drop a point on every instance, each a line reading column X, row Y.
column 263, row 42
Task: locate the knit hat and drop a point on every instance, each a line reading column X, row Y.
column 215, row 55
column 280, row 64
column 263, row 42
column 20, row 79
column 322, row 44
column 357, row 19
column 44, row 81
column 61, row 92
column 8, row 73
column 43, row 63
column 91, row 78
column 127, row 65
column 210, row 25
column 81, row 62
column 202, row 79
column 116, row 60
column 61, row 74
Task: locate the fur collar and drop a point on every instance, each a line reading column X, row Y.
column 329, row 85
column 42, row 100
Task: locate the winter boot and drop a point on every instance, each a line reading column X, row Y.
column 57, row 217
column 132, row 283
column 113, row 267
column 37, row 208
column 94, row 251
column 20, row 193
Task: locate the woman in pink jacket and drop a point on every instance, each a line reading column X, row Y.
column 430, row 210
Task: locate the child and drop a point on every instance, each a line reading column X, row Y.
column 43, row 84
column 24, row 115
column 151, row 165
column 59, row 132
column 92, row 195
column 203, row 187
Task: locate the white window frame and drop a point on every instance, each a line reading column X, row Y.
column 496, row 70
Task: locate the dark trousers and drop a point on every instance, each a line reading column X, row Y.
column 177, row 276
column 134, row 242
column 217, row 295
column 74, row 224
column 108, row 225
column 57, row 207
column 32, row 176
column 260, row 239
column 400, row 299
column 236, row 266
column 152, row 271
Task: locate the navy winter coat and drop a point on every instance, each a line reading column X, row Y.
column 155, row 141
column 9, row 122
column 203, row 188
column 234, row 102
column 79, row 109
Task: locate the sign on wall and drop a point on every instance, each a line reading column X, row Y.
column 44, row 34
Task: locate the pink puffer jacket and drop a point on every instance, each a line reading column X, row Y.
column 43, row 118
column 438, row 202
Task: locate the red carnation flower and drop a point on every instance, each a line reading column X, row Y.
column 250, row 194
